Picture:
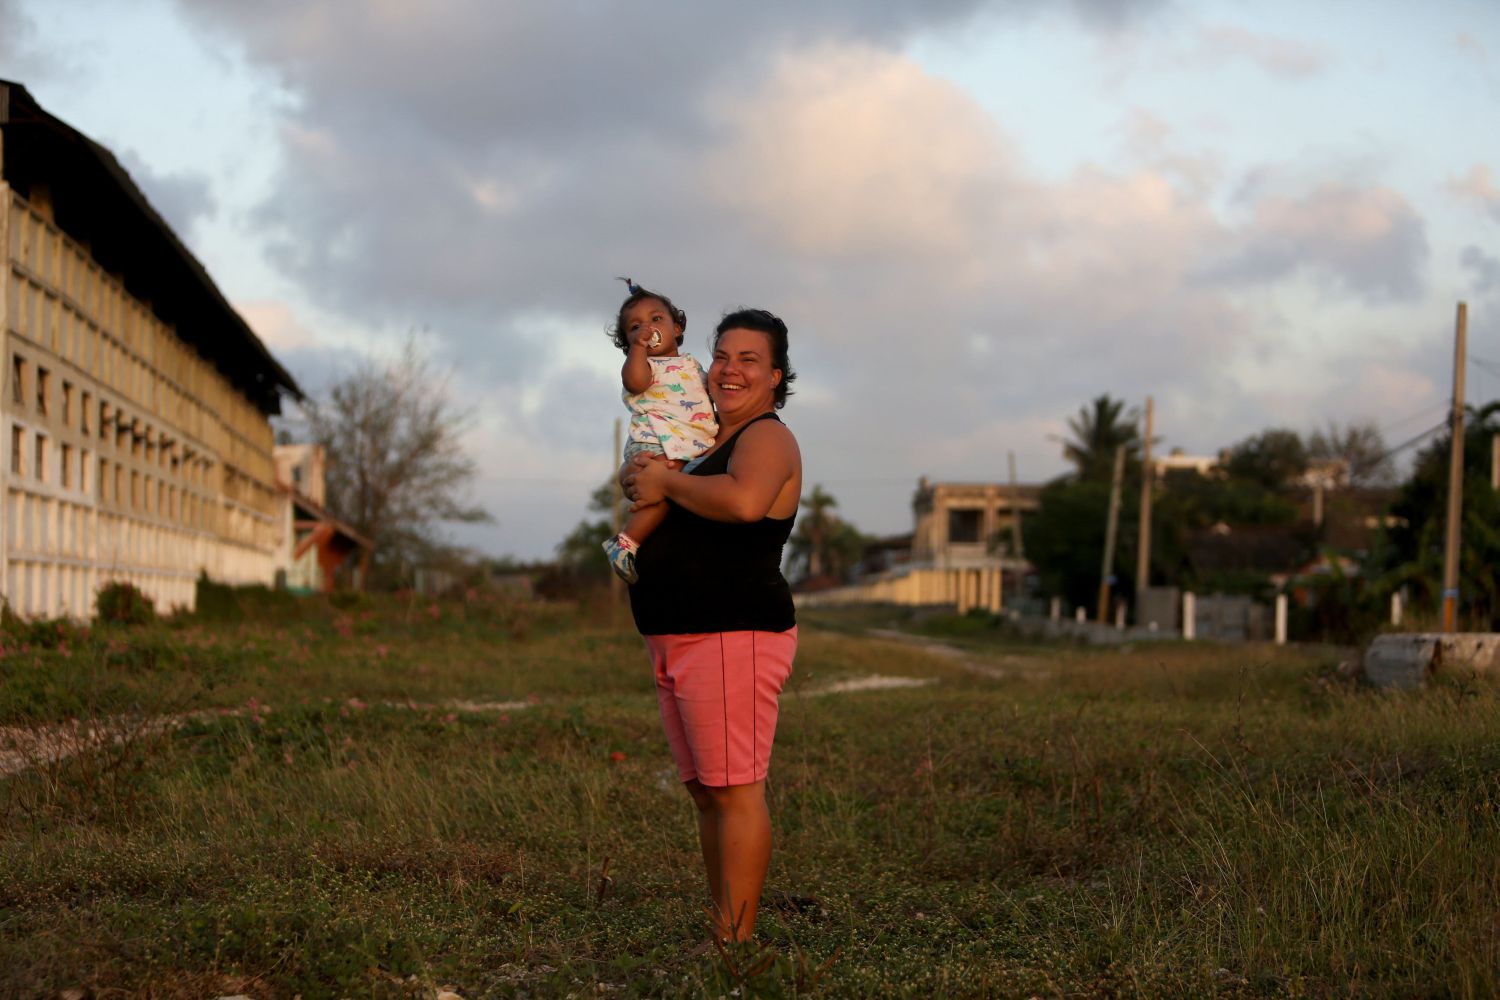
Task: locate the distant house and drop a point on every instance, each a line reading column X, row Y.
column 317, row 550
column 969, row 524
column 136, row 415
column 1178, row 461
column 964, row 550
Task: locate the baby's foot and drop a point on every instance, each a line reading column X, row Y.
column 621, row 551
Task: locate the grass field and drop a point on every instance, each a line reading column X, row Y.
column 390, row 798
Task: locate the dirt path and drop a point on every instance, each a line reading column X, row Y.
column 25, row 747
column 1000, row 667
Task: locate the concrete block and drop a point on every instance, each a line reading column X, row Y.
column 1405, row 660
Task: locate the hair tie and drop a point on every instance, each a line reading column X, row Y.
column 630, row 286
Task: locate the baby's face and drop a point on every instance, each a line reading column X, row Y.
column 648, row 317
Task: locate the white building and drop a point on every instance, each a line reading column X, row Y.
column 135, row 412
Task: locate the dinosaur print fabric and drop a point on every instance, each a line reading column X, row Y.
column 673, row 416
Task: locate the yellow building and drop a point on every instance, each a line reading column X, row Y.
column 969, row 524
column 136, row 405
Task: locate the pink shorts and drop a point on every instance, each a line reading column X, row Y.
column 718, row 694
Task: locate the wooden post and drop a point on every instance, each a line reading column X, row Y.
column 1143, row 536
column 1396, row 608
column 1281, row 619
column 1054, row 609
column 1018, row 546
column 1108, row 563
column 1189, row 615
column 1455, row 477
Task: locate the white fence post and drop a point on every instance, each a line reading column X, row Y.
column 1396, row 608
column 1281, row 619
column 1189, row 615
column 1079, row 614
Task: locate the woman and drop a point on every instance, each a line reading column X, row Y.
column 716, row 612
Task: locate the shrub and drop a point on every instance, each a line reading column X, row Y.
column 42, row 633
column 222, row 602
column 124, row 604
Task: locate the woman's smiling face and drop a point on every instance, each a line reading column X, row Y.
column 741, row 379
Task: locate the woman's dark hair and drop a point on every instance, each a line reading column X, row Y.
column 637, row 293
column 771, row 325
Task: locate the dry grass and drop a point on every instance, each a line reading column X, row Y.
column 1164, row 820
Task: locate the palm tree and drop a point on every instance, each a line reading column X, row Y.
column 815, row 530
column 1097, row 431
column 823, row 544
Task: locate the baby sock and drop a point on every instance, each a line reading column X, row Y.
column 621, row 551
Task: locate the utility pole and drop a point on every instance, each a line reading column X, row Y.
column 616, row 585
column 1016, row 544
column 1108, row 564
column 1143, row 544
column 1455, row 477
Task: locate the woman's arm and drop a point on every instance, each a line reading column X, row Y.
column 765, row 459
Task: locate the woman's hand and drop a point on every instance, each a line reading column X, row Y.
column 646, row 483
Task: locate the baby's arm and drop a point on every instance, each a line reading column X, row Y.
column 635, row 374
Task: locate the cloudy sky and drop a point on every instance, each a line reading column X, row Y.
column 974, row 216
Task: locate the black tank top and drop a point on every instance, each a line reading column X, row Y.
column 698, row 575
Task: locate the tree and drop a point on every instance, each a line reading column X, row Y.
column 396, row 464
column 1409, row 551
column 1361, row 449
column 581, row 553
column 814, row 530
column 823, row 544
column 1273, row 458
column 1097, row 431
column 1065, row 538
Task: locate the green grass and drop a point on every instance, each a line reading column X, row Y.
column 1168, row 819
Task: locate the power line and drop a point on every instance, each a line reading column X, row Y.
column 1411, row 441
column 1424, row 412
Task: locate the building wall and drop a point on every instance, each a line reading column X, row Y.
column 126, row 455
column 304, row 468
column 991, row 509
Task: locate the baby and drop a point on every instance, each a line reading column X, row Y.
column 667, row 395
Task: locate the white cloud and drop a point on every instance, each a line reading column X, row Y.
column 1368, row 241
column 850, row 152
column 1477, row 186
column 277, row 325
column 1278, row 55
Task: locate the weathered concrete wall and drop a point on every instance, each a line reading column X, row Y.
column 973, row 587
column 127, row 455
column 1405, row 660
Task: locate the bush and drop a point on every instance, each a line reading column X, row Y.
column 124, row 604
column 43, row 633
column 222, row 602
